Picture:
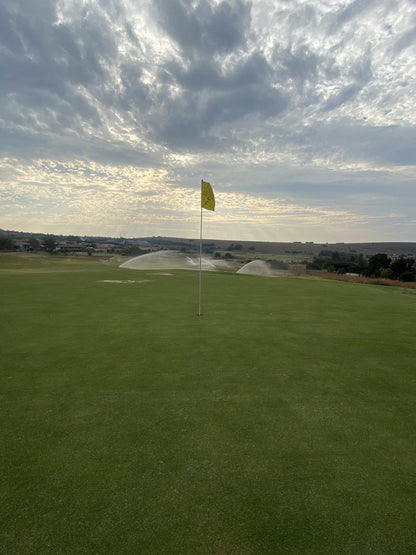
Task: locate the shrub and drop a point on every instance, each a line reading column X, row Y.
column 408, row 276
column 386, row 273
column 278, row 264
column 6, row 244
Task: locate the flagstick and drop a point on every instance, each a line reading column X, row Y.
column 200, row 265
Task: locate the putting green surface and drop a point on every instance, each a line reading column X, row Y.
column 281, row 421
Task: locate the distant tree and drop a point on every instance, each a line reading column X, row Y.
column 400, row 266
column 408, row 276
column 6, row 244
column 49, row 244
column 278, row 264
column 134, row 250
column 386, row 273
column 377, row 263
column 339, row 262
column 34, row 244
column 89, row 245
column 228, row 255
column 237, row 247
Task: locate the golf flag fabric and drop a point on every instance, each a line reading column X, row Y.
column 207, row 196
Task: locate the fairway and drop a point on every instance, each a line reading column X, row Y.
column 281, row 421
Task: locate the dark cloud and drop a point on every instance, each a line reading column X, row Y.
column 51, row 57
column 54, row 73
column 131, row 34
column 190, row 124
column 136, row 95
column 182, row 131
column 344, row 95
column 9, row 36
column 301, row 64
column 204, row 28
column 251, row 71
column 296, row 64
column 352, row 11
column 405, row 40
column 18, row 143
column 34, row 10
column 248, row 100
column 362, row 74
column 206, row 91
column 389, row 145
column 211, row 96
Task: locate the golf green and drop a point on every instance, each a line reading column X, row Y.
column 280, row 421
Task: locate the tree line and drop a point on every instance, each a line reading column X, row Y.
column 376, row 266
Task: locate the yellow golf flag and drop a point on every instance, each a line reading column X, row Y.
column 207, row 196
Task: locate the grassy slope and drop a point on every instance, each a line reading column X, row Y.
column 280, row 421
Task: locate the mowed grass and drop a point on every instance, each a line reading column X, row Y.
column 281, row 421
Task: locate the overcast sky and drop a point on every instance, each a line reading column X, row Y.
column 301, row 114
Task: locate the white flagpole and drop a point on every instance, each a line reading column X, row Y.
column 200, row 261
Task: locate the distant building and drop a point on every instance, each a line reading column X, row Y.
column 69, row 247
column 22, row 246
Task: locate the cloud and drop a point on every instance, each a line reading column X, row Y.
column 254, row 95
column 379, row 146
column 203, row 29
column 187, row 119
column 128, row 196
column 203, row 87
column 406, row 40
column 351, row 12
column 344, row 95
